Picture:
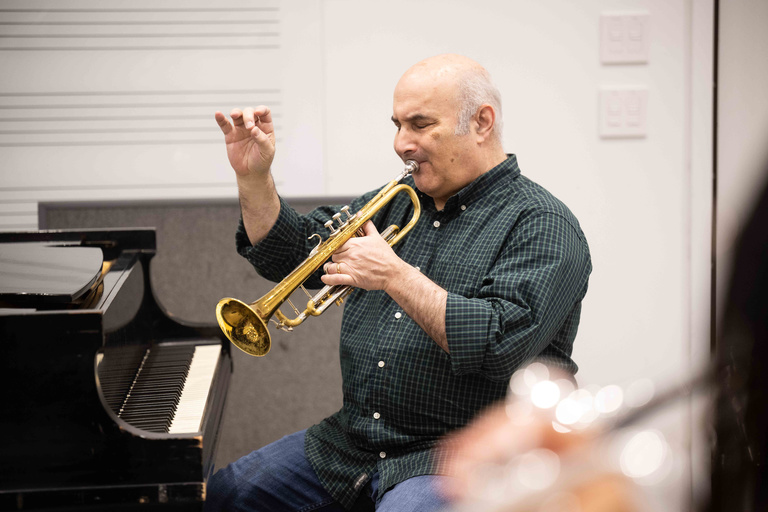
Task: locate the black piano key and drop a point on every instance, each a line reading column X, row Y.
column 154, row 394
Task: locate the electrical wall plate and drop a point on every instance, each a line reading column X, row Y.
column 624, row 38
column 623, row 112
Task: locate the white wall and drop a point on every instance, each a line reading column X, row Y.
column 644, row 203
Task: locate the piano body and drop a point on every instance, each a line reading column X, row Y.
column 107, row 403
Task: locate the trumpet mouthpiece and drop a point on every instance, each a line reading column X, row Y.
column 411, row 166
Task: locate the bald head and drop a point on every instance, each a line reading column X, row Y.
column 446, row 112
column 468, row 82
column 445, row 67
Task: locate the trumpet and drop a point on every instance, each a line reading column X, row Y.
column 245, row 325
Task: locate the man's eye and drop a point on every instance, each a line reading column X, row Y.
column 420, row 126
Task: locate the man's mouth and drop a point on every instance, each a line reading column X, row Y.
column 419, row 162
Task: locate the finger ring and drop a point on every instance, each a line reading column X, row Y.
column 338, row 268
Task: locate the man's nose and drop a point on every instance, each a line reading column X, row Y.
column 405, row 143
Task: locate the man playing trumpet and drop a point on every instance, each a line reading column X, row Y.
column 492, row 276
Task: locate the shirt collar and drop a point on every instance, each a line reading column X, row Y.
column 482, row 185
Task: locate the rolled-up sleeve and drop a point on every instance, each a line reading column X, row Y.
column 538, row 280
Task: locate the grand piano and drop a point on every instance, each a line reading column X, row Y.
column 106, row 402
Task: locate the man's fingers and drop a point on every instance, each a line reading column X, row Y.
column 260, row 137
column 237, row 116
column 263, row 112
column 337, row 280
column 263, row 116
column 333, row 267
column 370, row 229
column 249, row 117
column 333, row 277
column 223, row 122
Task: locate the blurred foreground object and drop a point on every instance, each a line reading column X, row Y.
column 555, row 447
column 739, row 480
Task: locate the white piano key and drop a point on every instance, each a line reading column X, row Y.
column 189, row 413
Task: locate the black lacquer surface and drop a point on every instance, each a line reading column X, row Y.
column 46, row 274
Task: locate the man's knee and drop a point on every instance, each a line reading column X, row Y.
column 276, row 477
column 417, row 494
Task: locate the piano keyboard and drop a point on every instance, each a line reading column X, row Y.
column 189, row 412
column 169, row 391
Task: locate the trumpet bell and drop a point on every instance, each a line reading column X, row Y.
column 247, row 330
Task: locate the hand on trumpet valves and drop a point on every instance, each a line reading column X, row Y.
column 366, row 262
column 250, row 138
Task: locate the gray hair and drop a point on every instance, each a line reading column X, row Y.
column 476, row 89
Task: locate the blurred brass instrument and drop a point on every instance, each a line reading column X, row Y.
column 246, row 324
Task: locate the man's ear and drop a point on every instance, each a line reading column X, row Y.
column 485, row 119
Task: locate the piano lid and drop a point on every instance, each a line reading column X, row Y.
column 46, row 274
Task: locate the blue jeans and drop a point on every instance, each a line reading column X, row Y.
column 279, row 478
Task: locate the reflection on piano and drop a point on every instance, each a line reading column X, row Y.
column 106, row 403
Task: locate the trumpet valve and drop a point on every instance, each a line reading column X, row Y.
column 331, row 228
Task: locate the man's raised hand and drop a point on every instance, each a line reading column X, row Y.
column 250, row 139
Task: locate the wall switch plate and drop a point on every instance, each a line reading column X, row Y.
column 623, row 112
column 624, row 38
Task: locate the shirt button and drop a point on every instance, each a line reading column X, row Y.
column 376, row 415
column 463, row 207
column 381, row 364
column 398, row 314
column 383, row 455
column 436, row 223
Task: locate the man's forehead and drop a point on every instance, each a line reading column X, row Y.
column 423, row 101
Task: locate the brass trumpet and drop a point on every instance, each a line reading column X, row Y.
column 246, row 324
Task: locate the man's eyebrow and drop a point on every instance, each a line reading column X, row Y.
column 413, row 118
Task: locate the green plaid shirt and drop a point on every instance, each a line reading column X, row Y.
column 515, row 264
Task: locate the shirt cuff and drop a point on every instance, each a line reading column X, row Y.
column 468, row 332
column 280, row 242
